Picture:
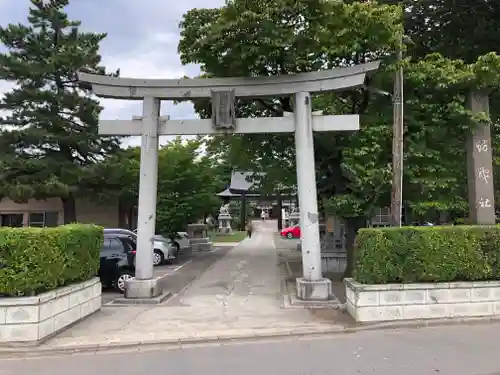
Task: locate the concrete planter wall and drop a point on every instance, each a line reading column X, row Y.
column 378, row 303
column 30, row 320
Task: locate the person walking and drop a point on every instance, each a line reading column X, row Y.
column 249, row 229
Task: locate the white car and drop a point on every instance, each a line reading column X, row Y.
column 168, row 250
column 182, row 241
column 163, row 248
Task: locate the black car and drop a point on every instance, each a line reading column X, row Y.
column 117, row 261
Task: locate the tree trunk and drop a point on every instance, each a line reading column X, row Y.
column 352, row 226
column 122, row 214
column 131, row 217
column 243, row 212
column 69, row 209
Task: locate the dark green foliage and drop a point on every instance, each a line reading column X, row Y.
column 290, row 37
column 427, row 254
column 353, row 170
column 457, row 29
column 187, row 187
column 188, row 183
column 36, row 260
column 51, row 129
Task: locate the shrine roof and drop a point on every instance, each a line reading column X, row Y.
column 227, row 194
column 241, row 182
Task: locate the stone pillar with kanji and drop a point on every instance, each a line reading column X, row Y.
column 481, row 192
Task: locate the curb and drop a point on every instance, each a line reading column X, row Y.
column 34, row 352
column 226, row 244
column 139, row 345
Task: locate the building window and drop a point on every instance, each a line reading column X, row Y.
column 11, row 220
column 43, row 219
column 382, row 217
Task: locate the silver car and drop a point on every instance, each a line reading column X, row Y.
column 163, row 248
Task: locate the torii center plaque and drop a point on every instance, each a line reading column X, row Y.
column 223, row 92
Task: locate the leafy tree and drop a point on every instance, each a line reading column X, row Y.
column 187, row 184
column 51, row 131
column 255, row 38
column 251, row 38
column 279, row 37
column 461, row 30
column 116, row 179
column 186, row 187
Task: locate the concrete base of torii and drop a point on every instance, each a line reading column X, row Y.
column 142, row 289
column 314, row 290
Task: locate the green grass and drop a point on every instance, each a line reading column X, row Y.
column 236, row 236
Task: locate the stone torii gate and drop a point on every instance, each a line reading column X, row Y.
column 223, row 92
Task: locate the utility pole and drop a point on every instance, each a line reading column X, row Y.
column 397, row 145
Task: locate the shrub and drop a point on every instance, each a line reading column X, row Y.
column 427, row 254
column 36, row 260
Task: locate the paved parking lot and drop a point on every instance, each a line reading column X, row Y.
column 176, row 276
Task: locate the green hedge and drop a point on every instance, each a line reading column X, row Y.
column 36, row 260
column 427, row 254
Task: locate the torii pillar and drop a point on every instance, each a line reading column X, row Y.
column 223, row 92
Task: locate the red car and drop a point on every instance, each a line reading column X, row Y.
column 291, row 232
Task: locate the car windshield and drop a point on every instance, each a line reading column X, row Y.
column 159, row 237
column 119, row 231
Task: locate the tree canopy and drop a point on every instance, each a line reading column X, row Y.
column 187, row 186
column 188, row 183
column 354, row 169
column 50, row 131
column 461, row 30
column 252, row 38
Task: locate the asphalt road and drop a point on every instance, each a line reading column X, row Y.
column 453, row 350
column 178, row 275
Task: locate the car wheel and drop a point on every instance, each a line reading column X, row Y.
column 158, row 258
column 122, row 278
column 289, row 235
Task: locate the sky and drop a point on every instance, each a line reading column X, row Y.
column 142, row 41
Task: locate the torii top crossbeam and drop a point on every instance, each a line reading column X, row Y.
column 256, row 87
